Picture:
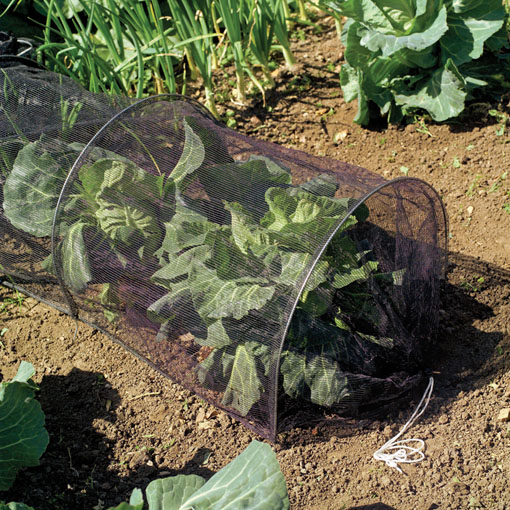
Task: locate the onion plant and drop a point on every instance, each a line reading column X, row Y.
column 139, row 47
column 239, row 18
column 280, row 10
column 261, row 35
column 251, row 26
column 114, row 47
column 192, row 18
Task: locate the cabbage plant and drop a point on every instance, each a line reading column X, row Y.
column 409, row 56
column 220, row 264
column 252, row 481
column 23, row 438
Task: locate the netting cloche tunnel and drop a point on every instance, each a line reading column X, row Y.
column 266, row 280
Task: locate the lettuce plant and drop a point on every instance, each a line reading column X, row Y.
column 421, row 55
column 224, row 265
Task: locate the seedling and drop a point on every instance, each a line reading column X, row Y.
column 404, row 170
column 473, row 285
column 471, row 190
column 498, row 183
column 456, row 162
column 506, row 205
column 503, row 120
column 422, row 127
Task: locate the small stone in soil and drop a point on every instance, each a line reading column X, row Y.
column 388, row 431
column 504, row 415
column 443, row 419
column 200, row 415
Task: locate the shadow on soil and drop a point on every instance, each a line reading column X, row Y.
column 81, row 411
column 471, row 350
column 82, row 408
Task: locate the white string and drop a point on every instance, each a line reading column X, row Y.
column 394, row 452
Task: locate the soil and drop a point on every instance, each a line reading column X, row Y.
column 116, row 424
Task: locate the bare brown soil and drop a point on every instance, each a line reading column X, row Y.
column 116, row 424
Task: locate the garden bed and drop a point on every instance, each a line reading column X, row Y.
column 115, row 423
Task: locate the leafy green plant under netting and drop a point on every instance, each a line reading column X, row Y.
column 196, row 253
column 246, row 272
column 422, row 55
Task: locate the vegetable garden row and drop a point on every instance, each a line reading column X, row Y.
column 268, row 281
column 402, row 58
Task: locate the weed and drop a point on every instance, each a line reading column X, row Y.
column 169, row 444
column 382, row 140
column 90, row 479
column 328, row 114
column 496, row 185
column 422, row 127
column 3, row 331
column 300, row 34
column 506, row 205
column 12, row 301
column 476, row 181
column 503, row 121
column 473, row 285
column 456, row 162
column 473, row 501
column 299, row 83
column 100, row 380
column 404, row 170
column 148, row 449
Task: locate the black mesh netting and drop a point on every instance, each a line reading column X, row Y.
column 264, row 279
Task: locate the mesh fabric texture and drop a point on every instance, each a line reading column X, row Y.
column 261, row 278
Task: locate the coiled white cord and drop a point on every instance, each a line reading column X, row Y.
column 406, row 451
